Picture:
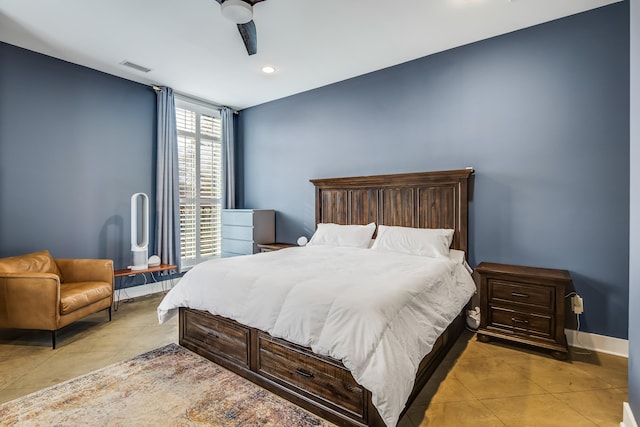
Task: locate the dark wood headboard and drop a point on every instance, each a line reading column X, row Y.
column 421, row 200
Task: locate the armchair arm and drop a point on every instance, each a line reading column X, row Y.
column 86, row 270
column 29, row 300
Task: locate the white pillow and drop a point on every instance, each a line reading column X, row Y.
column 429, row 242
column 358, row 236
column 457, row 256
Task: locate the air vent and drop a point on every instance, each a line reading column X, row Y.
column 135, row 66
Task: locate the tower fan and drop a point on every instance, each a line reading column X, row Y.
column 139, row 249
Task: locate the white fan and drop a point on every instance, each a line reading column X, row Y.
column 139, row 249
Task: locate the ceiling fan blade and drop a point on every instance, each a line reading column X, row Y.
column 248, row 33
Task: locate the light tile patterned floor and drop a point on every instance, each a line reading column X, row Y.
column 500, row 384
column 478, row 384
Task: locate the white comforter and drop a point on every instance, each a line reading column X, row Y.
column 378, row 312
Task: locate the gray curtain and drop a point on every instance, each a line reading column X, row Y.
column 167, row 184
column 227, row 118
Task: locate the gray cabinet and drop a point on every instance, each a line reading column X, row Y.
column 244, row 229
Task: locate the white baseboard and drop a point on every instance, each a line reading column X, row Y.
column 628, row 419
column 146, row 289
column 600, row 343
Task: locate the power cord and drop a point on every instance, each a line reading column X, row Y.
column 127, row 298
column 587, row 352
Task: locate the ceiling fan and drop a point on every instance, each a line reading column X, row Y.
column 241, row 12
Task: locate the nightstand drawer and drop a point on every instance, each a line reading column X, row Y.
column 536, row 297
column 521, row 323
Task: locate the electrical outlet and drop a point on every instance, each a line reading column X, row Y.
column 577, row 305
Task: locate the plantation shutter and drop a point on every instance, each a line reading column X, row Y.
column 200, row 169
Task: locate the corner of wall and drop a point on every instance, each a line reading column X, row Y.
column 628, row 420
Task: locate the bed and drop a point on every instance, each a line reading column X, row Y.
column 312, row 366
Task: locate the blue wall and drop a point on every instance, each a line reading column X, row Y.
column 542, row 114
column 634, row 234
column 74, row 145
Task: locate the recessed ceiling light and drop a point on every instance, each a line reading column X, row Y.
column 268, row 69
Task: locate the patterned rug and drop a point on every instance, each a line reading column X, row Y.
column 169, row 386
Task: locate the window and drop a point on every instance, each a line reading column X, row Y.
column 200, row 168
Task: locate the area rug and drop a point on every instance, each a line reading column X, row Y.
column 169, row 386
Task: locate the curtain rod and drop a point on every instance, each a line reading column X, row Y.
column 196, row 99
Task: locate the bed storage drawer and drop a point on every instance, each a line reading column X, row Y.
column 317, row 377
column 224, row 337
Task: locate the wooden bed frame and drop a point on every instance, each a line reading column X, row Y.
column 317, row 383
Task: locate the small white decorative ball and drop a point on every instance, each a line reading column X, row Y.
column 302, row 241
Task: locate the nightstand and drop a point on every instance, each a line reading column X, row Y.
column 524, row 305
column 270, row 247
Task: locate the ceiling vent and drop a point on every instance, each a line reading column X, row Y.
column 135, row 66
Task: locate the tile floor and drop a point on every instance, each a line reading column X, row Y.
column 499, row 384
column 478, row 384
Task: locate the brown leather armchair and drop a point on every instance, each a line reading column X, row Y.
column 39, row 292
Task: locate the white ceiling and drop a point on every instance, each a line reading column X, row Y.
column 192, row 48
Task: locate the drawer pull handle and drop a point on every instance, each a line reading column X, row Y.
column 519, row 295
column 212, row 335
column 304, row 373
column 514, row 320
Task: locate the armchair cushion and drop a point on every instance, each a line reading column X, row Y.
column 36, row 262
column 74, row 296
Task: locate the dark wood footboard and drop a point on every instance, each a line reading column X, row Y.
column 320, row 384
